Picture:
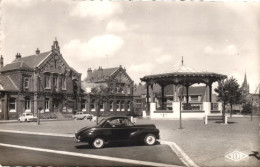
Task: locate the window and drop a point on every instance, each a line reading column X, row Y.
column 12, row 105
column 101, row 105
column 83, row 105
column 111, row 105
column 26, row 83
column 122, row 106
column 55, row 82
column 128, row 106
column 63, row 81
column 92, row 105
column 47, row 82
column 194, row 98
column 27, row 105
column 47, row 105
column 118, row 106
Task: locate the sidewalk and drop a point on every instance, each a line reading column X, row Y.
column 206, row 145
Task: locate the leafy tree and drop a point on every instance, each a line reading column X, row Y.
column 228, row 92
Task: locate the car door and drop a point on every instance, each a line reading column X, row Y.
column 120, row 130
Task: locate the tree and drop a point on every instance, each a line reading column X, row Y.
column 101, row 93
column 228, row 92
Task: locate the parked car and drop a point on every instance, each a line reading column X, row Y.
column 27, row 117
column 117, row 129
column 81, row 115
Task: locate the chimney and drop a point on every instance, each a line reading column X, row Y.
column 18, row 55
column 100, row 72
column 37, row 51
column 1, row 62
column 89, row 73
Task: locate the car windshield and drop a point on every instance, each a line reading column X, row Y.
column 102, row 121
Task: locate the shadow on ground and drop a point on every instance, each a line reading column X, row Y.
column 111, row 145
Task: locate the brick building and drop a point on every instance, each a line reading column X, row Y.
column 42, row 81
column 107, row 91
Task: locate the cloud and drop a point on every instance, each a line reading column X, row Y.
column 18, row 3
column 142, row 68
column 231, row 50
column 164, row 59
column 116, row 25
column 96, row 9
column 96, row 47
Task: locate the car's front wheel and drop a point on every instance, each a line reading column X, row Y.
column 98, row 143
column 19, row 121
column 149, row 139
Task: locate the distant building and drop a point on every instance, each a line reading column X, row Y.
column 41, row 82
column 109, row 91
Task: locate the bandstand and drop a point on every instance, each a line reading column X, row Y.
column 183, row 77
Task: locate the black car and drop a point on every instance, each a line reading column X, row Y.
column 117, row 129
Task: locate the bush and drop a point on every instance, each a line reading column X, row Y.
column 247, row 108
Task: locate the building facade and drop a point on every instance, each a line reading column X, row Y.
column 42, row 82
column 107, row 92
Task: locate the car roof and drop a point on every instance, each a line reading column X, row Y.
column 117, row 117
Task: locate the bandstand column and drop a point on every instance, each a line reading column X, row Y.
column 162, row 102
column 152, row 94
column 210, row 93
column 147, row 98
column 187, row 94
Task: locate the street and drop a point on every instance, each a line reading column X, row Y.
column 56, row 151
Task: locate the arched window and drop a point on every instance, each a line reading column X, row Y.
column 111, row 105
column 122, row 106
column 92, row 105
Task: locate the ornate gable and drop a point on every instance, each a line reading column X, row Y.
column 121, row 76
column 54, row 64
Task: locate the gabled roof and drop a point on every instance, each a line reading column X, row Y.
column 7, row 84
column 28, row 62
column 100, row 74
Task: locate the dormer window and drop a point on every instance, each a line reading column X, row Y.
column 26, row 83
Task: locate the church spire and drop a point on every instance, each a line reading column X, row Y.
column 245, row 86
column 245, row 81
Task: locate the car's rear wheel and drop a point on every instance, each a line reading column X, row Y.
column 149, row 139
column 98, row 143
column 19, row 121
column 85, row 118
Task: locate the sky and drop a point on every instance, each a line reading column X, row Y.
column 144, row 37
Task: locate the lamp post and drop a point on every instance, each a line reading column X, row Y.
column 252, row 109
column 181, row 108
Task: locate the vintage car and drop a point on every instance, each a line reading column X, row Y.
column 27, row 117
column 117, row 129
column 82, row 115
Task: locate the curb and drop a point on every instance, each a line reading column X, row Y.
column 180, row 153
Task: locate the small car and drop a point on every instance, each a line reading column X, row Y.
column 27, row 117
column 81, row 115
column 117, row 129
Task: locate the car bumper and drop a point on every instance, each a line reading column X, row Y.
column 32, row 119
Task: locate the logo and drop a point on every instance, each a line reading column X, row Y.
column 236, row 156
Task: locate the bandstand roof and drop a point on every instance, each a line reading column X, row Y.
column 183, row 75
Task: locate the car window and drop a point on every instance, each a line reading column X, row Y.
column 120, row 122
